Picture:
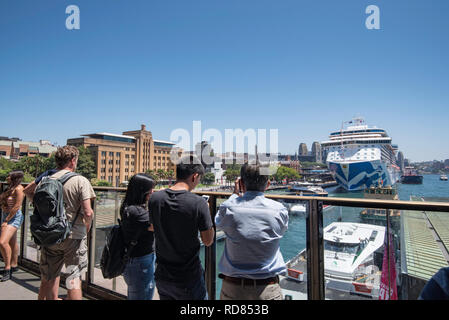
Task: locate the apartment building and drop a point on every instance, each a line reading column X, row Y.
column 14, row 148
column 119, row 157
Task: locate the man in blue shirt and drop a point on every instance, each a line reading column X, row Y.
column 253, row 225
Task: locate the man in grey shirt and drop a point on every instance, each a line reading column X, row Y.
column 253, row 225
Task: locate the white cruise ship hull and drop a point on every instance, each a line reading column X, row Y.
column 358, row 175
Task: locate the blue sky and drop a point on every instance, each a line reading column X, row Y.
column 301, row 67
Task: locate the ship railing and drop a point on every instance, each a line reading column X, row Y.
column 106, row 211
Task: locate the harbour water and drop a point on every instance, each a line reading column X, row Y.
column 294, row 240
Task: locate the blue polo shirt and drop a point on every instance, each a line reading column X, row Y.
column 253, row 226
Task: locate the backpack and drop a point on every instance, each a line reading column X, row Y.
column 115, row 253
column 48, row 223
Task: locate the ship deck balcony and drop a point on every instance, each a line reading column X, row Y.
column 423, row 239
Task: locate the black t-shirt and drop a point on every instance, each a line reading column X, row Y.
column 177, row 217
column 135, row 223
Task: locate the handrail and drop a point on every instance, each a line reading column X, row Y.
column 314, row 236
column 353, row 202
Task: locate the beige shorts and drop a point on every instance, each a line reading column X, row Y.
column 71, row 252
column 232, row 291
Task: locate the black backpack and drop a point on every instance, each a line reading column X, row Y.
column 48, row 223
column 116, row 253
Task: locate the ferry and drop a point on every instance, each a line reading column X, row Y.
column 443, row 177
column 352, row 262
column 411, row 176
column 359, row 156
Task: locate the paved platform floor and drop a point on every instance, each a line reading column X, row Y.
column 25, row 286
column 22, row 286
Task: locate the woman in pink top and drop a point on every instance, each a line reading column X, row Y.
column 12, row 219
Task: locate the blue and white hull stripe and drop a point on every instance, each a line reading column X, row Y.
column 354, row 176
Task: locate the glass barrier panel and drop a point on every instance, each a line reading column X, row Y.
column 292, row 245
column 107, row 210
column 31, row 249
column 423, row 242
column 366, row 258
column 293, row 248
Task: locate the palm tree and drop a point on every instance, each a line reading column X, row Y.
column 160, row 174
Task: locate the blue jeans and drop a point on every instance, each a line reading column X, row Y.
column 194, row 290
column 139, row 276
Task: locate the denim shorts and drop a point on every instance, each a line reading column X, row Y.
column 16, row 221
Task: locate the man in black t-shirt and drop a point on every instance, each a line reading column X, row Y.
column 177, row 215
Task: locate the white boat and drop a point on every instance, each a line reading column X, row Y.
column 352, row 261
column 298, row 209
column 303, row 190
column 443, row 177
column 349, row 257
column 359, row 156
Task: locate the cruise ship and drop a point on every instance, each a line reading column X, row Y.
column 359, row 156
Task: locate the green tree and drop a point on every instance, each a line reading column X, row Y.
column 170, row 174
column 6, row 166
column 152, row 174
column 86, row 164
column 100, row 183
column 308, row 165
column 208, row 178
column 232, row 172
column 286, row 173
column 161, row 174
column 35, row 166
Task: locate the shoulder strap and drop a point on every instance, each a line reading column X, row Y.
column 63, row 180
column 67, row 176
column 131, row 245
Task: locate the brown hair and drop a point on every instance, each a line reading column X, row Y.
column 16, row 179
column 65, row 154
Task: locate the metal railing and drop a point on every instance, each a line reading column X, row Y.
column 314, row 238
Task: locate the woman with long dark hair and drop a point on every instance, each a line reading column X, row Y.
column 12, row 219
column 139, row 272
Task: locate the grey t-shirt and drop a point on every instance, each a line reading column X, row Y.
column 76, row 190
